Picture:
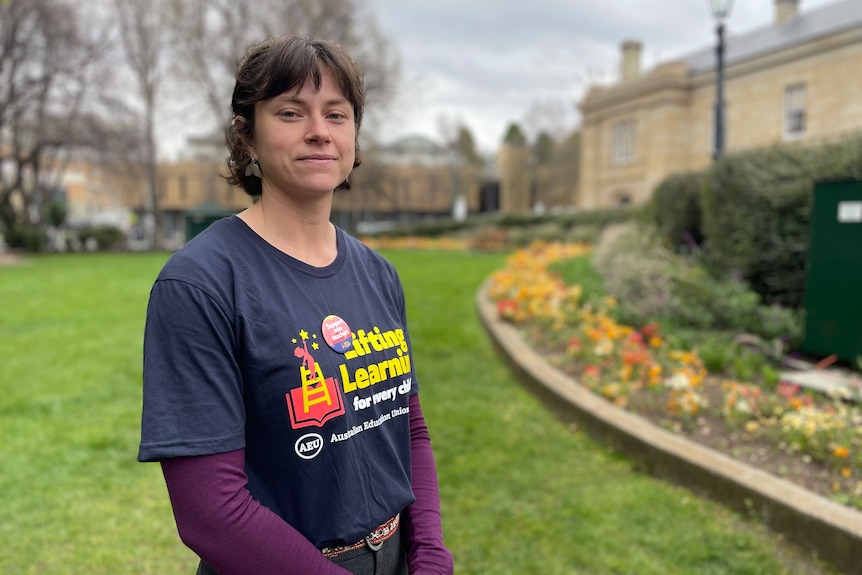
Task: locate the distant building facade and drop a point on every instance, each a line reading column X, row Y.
column 529, row 184
column 798, row 79
column 412, row 179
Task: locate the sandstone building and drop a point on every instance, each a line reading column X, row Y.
column 797, row 79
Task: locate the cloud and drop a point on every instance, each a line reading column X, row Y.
column 486, row 62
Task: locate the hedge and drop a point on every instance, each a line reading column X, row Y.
column 750, row 212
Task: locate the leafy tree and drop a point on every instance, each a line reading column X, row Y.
column 466, row 147
column 514, row 136
column 543, row 149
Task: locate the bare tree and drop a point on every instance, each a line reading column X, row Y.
column 47, row 66
column 143, row 36
column 211, row 35
column 556, row 118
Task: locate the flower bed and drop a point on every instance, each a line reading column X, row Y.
column 809, row 438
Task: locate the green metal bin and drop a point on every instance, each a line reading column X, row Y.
column 199, row 218
column 833, row 284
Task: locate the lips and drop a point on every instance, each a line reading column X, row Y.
column 318, row 158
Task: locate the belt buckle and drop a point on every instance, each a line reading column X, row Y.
column 371, row 545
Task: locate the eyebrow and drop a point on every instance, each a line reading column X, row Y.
column 295, row 100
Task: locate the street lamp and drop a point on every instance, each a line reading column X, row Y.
column 720, row 11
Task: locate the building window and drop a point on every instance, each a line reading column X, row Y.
column 624, row 142
column 794, row 111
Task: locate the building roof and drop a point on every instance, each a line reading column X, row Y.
column 415, row 150
column 416, row 144
column 803, row 27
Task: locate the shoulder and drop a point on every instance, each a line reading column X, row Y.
column 367, row 257
column 209, row 254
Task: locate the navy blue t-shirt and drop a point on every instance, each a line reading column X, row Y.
column 309, row 369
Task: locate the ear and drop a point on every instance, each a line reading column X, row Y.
column 243, row 130
column 248, row 143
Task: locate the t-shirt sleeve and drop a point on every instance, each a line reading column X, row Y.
column 193, row 395
column 401, row 304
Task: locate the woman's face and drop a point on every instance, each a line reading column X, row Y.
column 305, row 140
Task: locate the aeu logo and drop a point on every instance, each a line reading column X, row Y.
column 309, row 446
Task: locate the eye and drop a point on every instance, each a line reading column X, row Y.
column 288, row 114
column 337, row 115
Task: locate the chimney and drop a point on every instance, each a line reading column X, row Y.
column 630, row 68
column 785, row 10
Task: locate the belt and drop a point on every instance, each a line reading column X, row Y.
column 373, row 540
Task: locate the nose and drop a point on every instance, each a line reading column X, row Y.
column 318, row 129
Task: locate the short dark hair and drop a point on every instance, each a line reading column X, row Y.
column 273, row 67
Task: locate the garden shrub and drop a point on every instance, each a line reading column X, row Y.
column 674, row 208
column 519, row 229
column 26, row 237
column 755, row 212
column 105, row 237
column 654, row 283
column 584, row 233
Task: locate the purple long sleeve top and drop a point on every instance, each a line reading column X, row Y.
column 233, row 533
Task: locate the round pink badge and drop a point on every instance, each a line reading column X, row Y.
column 337, row 333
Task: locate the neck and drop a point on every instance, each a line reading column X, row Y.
column 305, row 234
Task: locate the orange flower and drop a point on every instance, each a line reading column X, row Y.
column 840, row 451
column 655, row 374
column 635, row 357
column 593, row 334
column 846, row 472
column 591, row 371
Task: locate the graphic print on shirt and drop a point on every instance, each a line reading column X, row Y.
column 317, row 399
column 375, row 372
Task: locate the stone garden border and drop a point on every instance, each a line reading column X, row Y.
column 811, row 521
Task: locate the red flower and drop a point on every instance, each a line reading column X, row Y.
column 507, row 308
column 786, row 389
column 649, row 330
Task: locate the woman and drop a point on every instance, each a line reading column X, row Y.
column 279, row 390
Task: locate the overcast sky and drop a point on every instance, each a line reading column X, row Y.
column 486, row 63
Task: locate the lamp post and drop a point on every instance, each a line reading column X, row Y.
column 720, row 11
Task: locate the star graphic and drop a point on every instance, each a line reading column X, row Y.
column 293, row 340
column 315, row 346
column 304, row 335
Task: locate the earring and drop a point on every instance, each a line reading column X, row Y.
column 253, row 168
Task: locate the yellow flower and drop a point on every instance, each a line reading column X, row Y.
column 846, row 472
column 626, row 372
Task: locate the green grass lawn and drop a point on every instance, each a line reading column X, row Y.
column 522, row 493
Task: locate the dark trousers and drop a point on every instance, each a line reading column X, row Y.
column 390, row 559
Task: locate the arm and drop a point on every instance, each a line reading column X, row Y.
column 426, row 552
column 234, row 534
